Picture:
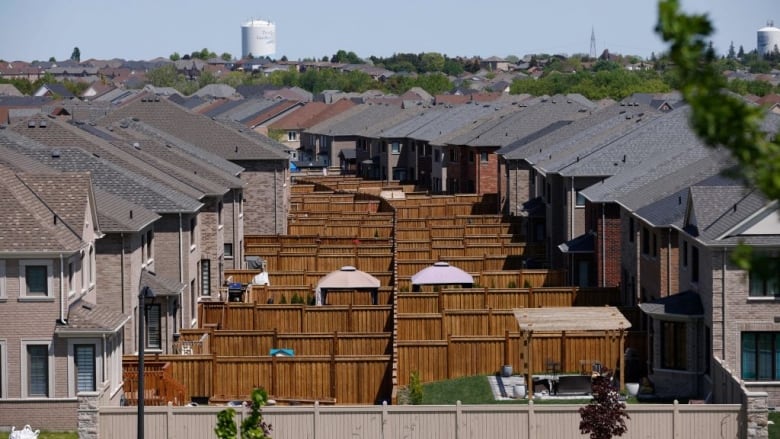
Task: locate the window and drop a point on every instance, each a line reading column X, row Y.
column 631, row 230
column 292, row 136
column 685, row 254
column 694, row 264
column 193, row 224
column 483, row 157
column 760, row 356
column 645, row 241
column 71, row 272
column 149, row 239
column 193, row 300
column 3, row 370
column 471, row 157
column 228, row 250
column 205, row 277
column 580, row 200
column 35, row 280
column 3, row 294
column 153, row 326
column 766, row 283
column 84, row 359
column 453, row 155
column 91, row 266
column 655, row 244
column 395, row 148
column 36, row 366
column 219, row 214
column 673, row 345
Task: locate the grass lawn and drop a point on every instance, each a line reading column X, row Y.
column 774, row 429
column 58, row 435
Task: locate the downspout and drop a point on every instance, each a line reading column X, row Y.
column 603, row 247
column 181, row 250
column 723, row 305
column 276, row 203
column 122, row 272
column 637, row 236
column 105, row 360
column 235, row 227
column 669, row 262
column 572, row 203
column 62, row 290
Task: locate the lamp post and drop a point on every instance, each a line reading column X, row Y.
column 145, row 293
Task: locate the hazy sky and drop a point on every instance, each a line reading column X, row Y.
column 145, row 29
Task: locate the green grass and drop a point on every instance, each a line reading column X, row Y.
column 58, row 435
column 774, row 429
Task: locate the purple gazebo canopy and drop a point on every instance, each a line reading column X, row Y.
column 442, row 273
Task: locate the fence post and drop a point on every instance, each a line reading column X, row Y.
column 449, row 360
column 316, row 419
column 384, row 419
column 531, row 420
column 169, row 421
column 676, row 420
column 457, row 419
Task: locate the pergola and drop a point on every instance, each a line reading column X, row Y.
column 607, row 320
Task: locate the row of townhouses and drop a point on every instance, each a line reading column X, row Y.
column 623, row 194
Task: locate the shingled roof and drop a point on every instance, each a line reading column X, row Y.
column 195, row 129
column 89, row 318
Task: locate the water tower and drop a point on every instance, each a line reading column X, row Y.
column 768, row 38
column 258, row 38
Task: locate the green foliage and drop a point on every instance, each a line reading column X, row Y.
column 718, row 117
column 296, row 299
column 226, row 56
column 76, row 54
column 343, row 56
column 277, row 134
column 606, row 83
column 174, row 56
column 253, row 427
column 283, row 299
column 511, row 284
column 415, row 389
column 226, row 426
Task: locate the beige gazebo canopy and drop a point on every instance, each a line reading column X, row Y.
column 605, row 319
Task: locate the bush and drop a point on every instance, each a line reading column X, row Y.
column 415, row 389
column 605, row 416
column 283, row 300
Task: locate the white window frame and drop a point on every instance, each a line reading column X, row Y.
column 3, row 369
column 3, row 290
column 72, row 378
column 25, row 366
column 395, row 148
column 23, row 279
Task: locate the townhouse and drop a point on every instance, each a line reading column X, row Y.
column 264, row 203
column 58, row 346
column 293, row 124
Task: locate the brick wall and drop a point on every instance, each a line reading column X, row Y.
column 267, row 196
column 607, row 249
column 518, row 186
column 487, row 182
column 40, row 415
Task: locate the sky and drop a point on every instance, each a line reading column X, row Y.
column 146, row 29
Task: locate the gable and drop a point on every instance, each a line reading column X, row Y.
column 767, row 223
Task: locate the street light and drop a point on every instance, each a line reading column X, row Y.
column 146, row 293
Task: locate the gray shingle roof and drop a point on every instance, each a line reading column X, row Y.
column 356, row 121
column 90, row 318
column 195, row 129
column 27, row 224
column 162, row 286
column 719, row 208
column 69, row 205
column 119, row 215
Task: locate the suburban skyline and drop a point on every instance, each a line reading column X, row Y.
column 147, row 29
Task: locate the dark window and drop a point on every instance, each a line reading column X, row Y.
column 694, row 264
column 205, row 277
column 36, row 279
column 453, row 155
column 37, row 370
column 631, row 230
column 645, row 241
column 193, row 224
column 760, row 355
column 655, row 244
column 765, row 281
column 71, row 271
column 673, row 345
column 84, row 357
column 396, row 148
column 483, row 157
column 685, row 254
column 580, row 200
column 153, row 326
column 219, row 213
column 228, row 249
column 471, row 157
column 149, row 239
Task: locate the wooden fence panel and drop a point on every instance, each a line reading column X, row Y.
column 294, row 261
column 362, row 380
column 284, row 318
column 235, row 377
column 413, row 245
column 238, row 316
column 428, row 358
column 475, row 356
column 420, row 327
column 242, row 343
column 333, row 262
column 414, row 254
column 303, row 377
column 411, row 303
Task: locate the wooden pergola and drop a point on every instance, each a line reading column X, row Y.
column 607, row 320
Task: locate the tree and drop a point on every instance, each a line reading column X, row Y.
column 253, row 426
column 175, row 56
column 732, row 53
column 76, row 55
column 741, row 52
column 165, row 76
column 431, row 62
column 52, row 59
column 226, row 56
column 605, row 415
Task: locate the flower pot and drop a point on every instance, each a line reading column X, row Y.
column 632, row 388
column 519, row 391
column 506, row 370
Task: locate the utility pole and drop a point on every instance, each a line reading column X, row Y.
column 592, row 43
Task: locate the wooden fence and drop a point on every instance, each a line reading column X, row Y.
column 254, row 343
column 296, row 318
column 459, row 356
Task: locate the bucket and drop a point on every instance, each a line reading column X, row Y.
column 632, row 388
column 519, row 391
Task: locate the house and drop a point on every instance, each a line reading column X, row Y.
column 311, row 113
column 54, row 90
column 57, row 343
column 265, row 201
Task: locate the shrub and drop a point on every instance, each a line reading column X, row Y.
column 511, row 284
column 415, row 389
column 605, row 415
column 226, row 426
column 283, row 299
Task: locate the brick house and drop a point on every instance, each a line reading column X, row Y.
column 57, row 344
column 265, row 162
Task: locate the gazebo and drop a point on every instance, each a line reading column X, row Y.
column 441, row 273
column 607, row 320
column 347, row 278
